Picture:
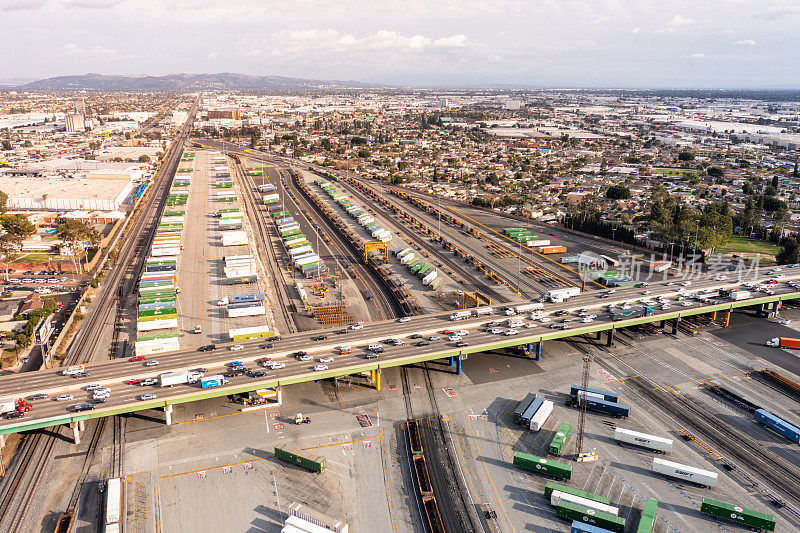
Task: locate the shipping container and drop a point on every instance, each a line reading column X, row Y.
column 530, row 411
column 541, row 415
column 113, row 500
column 784, row 342
column 245, row 309
column 738, row 515
column 778, row 425
column 156, row 305
column 542, row 466
column 550, row 486
column 580, row 527
column 170, row 312
column 290, row 455
column 522, row 406
column 242, row 280
column 651, row 442
column 606, row 395
column 684, row 472
column 559, row 439
column 430, row 278
column 552, row 249
column 581, row 514
column 648, row 519
column 617, row 410
column 253, row 332
column 242, row 298
column 152, row 325
column 435, row 284
column 557, row 496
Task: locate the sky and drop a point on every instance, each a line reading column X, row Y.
column 543, row 43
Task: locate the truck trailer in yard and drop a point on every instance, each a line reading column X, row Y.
column 784, row 342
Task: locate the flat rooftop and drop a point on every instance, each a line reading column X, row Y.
column 62, row 188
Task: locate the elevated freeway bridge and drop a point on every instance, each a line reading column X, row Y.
column 125, row 397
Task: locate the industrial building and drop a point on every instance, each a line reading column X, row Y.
column 104, row 191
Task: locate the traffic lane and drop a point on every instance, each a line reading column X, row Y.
column 181, row 360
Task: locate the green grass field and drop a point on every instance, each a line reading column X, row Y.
column 688, row 174
column 738, row 244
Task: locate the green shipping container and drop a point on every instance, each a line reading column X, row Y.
column 290, row 455
column 542, row 466
column 557, row 444
column 158, row 312
column 241, row 280
column 738, row 515
column 550, row 486
column 572, row 511
column 648, row 519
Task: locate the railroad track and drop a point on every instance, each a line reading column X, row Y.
column 694, row 418
column 257, row 216
column 40, row 445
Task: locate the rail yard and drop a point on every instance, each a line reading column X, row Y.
column 275, row 332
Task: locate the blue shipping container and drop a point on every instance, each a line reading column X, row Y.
column 275, row 207
column 611, row 408
column 531, row 410
column 157, row 305
column 580, row 527
column 241, row 298
column 778, row 425
column 284, row 220
column 160, row 268
column 607, row 395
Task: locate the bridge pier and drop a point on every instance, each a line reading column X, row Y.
column 76, row 433
column 675, row 325
column 599, row 335
column 713, row 316
column 662, row 323
column 538, row 351
column 168, row 414
column 726, row 319
column 610, row 341
column 375, row 377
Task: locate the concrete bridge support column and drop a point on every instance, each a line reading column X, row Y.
column 610, row 341
column 2, row 441
column 662, row 323
column 458, row 365
column 76, row 434
column 726, row 319
column 538, row 351
column 599, row 335
column 375, row 376
column 713, row 316
column 81, row 424
column 168, row 414
column 675, row 325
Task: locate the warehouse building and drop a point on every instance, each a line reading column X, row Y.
column 104, row 192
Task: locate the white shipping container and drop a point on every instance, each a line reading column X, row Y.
column 256, row 310
column 239, row 272
column 541, row 416
column 386, row 238
column 366, row 221
column 113, row 500
column 300, row 250
column 540, row 242
column 376, row 232
column 308, row 259
column 557, row 496
column 234, row 238
column 427, row 280
column 684, row 472
column 407, row 258
column 172, row 219
column 270, row 197
column 305, row 526
column 528, row 307
column 300, row 257
column 740, row 295
column 157, row 346
column 152, row 325
column 644, row 440
column 165, row 252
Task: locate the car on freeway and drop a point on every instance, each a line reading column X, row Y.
column 510, row 332
column 356, row 326
column 434, row 338
column 257, row 374
column 462, row 332
column 84, row 374
column 63, row 397
column 319, row 337
column 105, row 393
column 326, row 359
column 14, row 414
column 268, row 346
column 404, row 319
column 304, row 357
column 611, row 291
column 201, row 370
column 319, row 368
column 275, row 365
column 415, row 336
column 145, row 397
column 686, row 303
column 236, row 347
column 495, row 331
column 151, row 363
column 235, row 363
column 38, row 396
column 544, row 320
column 207, row 348
column 235, row 372
column 147, row 382
column 448, row 332
column 587, row 320
column 530, row 325
column 461, row 344
column 341, row 331
column 686, row 283
column 373, row 346
column 98, row 400
column 454, row 338
column 371, row 355
column 93, row 386
column 83, row 407
column 422, row 343
column 138, row 358
column 134, row 381
column 647, row 292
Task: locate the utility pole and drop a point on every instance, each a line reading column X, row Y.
column 582, row 456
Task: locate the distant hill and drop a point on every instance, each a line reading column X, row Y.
column 184, row 82
column 14, row 82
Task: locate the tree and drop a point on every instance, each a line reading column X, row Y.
column 618, row 192
column 789, row 252
column 16, row 228
column 76, row 234
column 144, row 158
column 3, row 202
column 7, row 145
column 715, row 172
column 774, row 183
column 770, row 191
column 364, row 153
column 772, row 204
column 715, row 229
column 686, row 156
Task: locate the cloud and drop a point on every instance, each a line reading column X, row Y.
column 636, row 30
column 745, row 42
column 679, row 20
column 454, row 41
column 777, row 13
column 91, row 4
column 213, row 56
column 21, row 5
column 698, row 55
column 73, row 49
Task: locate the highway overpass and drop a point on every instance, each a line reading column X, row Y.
column 124, row 398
